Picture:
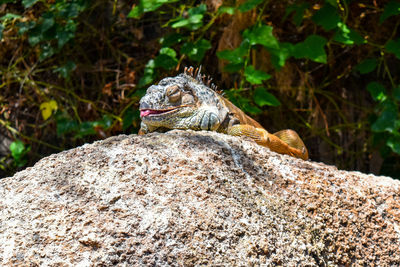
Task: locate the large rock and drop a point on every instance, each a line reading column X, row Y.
column 194, row 198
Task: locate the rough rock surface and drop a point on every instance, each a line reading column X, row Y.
column 194, row 198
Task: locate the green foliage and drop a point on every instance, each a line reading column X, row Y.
column 196, row 51
column 193, row 20
column 264, row 98
column 54, row 28
column 19, row 151
column 367, row 65
column 391, row 9
column 254, row 76
column 312, row 48
column 147, row 6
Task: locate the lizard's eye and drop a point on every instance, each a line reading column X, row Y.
column 173, row 93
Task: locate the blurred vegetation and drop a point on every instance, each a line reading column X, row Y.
column 73, row 71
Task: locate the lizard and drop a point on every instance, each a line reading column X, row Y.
column 190, row 101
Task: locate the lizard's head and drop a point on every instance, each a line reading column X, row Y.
column 181, row 102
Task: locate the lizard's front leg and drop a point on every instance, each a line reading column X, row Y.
column 263, row 138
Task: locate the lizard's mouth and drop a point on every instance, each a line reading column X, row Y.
column 154, row 112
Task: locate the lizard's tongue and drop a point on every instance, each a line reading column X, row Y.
column 146, row 112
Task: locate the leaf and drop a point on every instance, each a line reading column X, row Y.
column 171, row 39
column 65, row 69
column 65, row 33
column 180, row 23
column 105, row 122
column 312, row 48
column 394, row 143
column 261, row 35
column 327, row 17
column 367, row 65
column 254, row 76
column 263, row 98
column 279, row 56
column 235, row 56
column 194, row 19
column 387, row 119
column 10, row 16
column 166, row 59
column 248, row 5
column 298, row 10
column 1, row 31
column 147, row 6
column 18, row 152
column 396, row 93
column 233, row 67
column 377, row 91
column 226, row 9
column 65, row 124
column 25, row 26
column 17, row 149
column 46, row 51
column 196, row 51
column 47, row 108
column 332, row 2
column 28, row 3
column 149, row 73
column 347, row 36
column 47, row 22
column 394, row 47
column 391, row 9
column 129, row 116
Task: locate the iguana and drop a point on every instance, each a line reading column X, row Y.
column 190, row 101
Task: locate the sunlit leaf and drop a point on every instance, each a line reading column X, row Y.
column 235, row 56
column 254, row 76
column 17, row 148
column 196, row 51
column 261, row 35
column 47, row 108
column 226, row 9
column 347, row 36
column 377, row 91
column 263, row 98
column 18, row 151
column 193, row 20
column 147, row 6
column 166, row 59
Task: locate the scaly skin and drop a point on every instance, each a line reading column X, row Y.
column 189, row 101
